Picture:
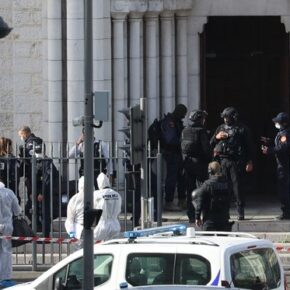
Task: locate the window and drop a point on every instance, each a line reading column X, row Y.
column 255, row 269
column 192, row 270
column 72, row 274
column 153, row 269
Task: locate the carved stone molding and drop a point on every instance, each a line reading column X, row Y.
column 149, row 5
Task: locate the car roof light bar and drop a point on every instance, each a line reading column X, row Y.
column 177, row 229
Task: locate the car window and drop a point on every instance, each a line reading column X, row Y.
column 72, row 274
column 255, row 269
column 153, row 269
column 147, row 269
column 192, row 270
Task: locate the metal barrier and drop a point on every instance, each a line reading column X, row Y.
column 53, row 180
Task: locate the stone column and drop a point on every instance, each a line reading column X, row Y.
column 152, row 90
column 167, row 63
column 75, row 65
column 135, row 57
column 286, row 70
column 54, row 77
column 119, row 72
column 195, row 26
column 286, row 21
column 181, row 59
column 102, row 54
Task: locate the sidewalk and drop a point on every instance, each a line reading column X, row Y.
column 257, row 208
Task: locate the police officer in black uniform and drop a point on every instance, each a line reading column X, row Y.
column 233, row 148
column 171, row 127
column 281, row 149
column 196, row 155
column 212, row 201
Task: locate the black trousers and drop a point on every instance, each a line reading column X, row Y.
column 232, row 169
column 283, row 189
column 210, row 225
column 195, row 175
column 174, row 176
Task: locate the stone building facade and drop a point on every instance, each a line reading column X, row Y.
column 142, row 48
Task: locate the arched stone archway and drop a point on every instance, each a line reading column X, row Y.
column 246, row 65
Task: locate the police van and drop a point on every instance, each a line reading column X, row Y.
column 172, row 255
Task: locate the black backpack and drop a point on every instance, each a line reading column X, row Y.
column 155, row 134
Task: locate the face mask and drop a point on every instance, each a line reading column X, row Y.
column 278, row 126
column 22, row 138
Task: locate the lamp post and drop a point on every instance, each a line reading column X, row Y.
column 88, row 283
column 4, row 28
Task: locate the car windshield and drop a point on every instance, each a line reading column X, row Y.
column 72, row 275
column 155, row 268
column 255, row 269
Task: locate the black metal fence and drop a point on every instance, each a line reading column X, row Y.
column 45, row 183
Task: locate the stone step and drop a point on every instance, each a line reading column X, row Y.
column 251, row 225
column 275, row 237
column 42, row 248
column 48, row 259
column 262, row 225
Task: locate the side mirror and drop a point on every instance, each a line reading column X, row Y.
column 58, row 284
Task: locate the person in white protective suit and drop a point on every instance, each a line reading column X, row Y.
column 75, row 214
column 9, row 207
column 110, row 202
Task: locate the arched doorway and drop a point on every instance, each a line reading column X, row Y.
column 245, row 64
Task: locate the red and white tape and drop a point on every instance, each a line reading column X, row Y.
column 38, row 239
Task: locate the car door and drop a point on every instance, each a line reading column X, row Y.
column 71, row 276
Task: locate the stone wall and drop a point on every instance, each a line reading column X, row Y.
column 22, row 67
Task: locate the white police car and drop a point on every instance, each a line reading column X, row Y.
column 163, row 256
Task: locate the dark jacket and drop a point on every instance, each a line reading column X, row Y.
column 9, row 171
column 195, row 143
column 171, row 129
column 238, row 145
column 26, row 152
column 281, row 148
column 213, row 200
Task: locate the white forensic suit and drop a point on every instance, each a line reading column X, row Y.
column 110, row 202
column 75, row 212
column 8, row 207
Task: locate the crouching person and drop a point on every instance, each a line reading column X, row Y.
column 212, row 201
column 109, row 201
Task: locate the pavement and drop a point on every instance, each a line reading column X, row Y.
column 258, row 208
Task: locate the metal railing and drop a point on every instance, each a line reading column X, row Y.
column 53, row 180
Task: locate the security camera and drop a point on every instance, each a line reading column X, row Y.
column 78, row 121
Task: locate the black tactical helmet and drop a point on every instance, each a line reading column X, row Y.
column 197, row 115
column 230, row 112
column 281, row 118
column 180, row 111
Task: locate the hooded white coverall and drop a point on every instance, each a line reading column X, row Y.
column 8, row 207
column 110, row 202
column 75, row 212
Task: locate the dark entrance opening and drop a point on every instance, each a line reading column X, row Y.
column 246, row 65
